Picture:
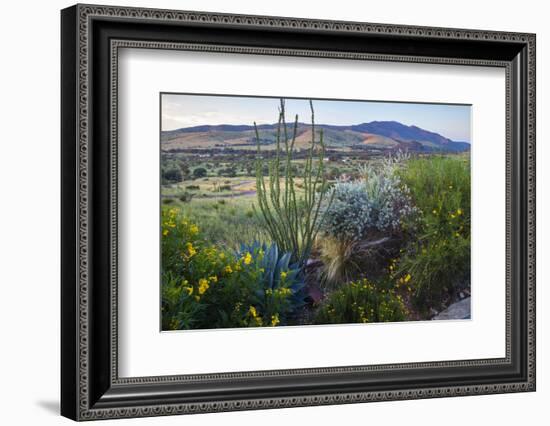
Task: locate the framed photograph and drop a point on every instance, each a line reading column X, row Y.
column 263, row 212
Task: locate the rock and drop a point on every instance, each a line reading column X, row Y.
column 458, row 310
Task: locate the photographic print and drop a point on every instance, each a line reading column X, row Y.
column 299, row 212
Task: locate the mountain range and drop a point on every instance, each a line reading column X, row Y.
column 376, row 135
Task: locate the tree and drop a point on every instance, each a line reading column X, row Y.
column 172, row 174
column 184, row 169
column 199, row 172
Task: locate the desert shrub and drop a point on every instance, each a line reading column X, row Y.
column 199, row 172
column 167, row 200
column 193, row 187
column 438, row 260
column 225, row 188
column 257, row 288
column 376, row 203
column 204, row 286
column 185, row 197
column 389, row 197
column 347, row 217
column 361, row 301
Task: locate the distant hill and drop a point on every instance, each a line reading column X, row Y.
column 379, row 135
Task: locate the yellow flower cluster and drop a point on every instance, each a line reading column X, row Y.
column 392, row 266
column 254, row 315
column 247, row 258
column 405, row 279
column 193, row 229
column 191, row 250
column 457, row 213
column 203, row 285
column 283, row 291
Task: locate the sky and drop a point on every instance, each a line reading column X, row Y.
column 183, row 110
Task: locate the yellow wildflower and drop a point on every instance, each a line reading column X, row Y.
column 222, row 255
column 284, row 291
column 247, row 258
column 203, row 286
column 407, row 278
column 189, row 290
column 459, row 212
column 213, row 278
column 194, row 229
column 252, row 311
column 283, row 275
column 228, row 269
column 191, row 250
column 165, row 232
column 275, row 320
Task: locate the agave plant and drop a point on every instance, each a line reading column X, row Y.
column 281, row 287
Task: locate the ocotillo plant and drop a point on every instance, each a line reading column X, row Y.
column 292, row 221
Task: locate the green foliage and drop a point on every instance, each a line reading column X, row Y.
column 199, row 172
column 279, row 277
column 179, row 308
column 292, row 221
column 185, row 197
column 206, row 287
column 226, row 222
column 229, row 172
column 438, row 260
column 361, row 302
column 172, row 174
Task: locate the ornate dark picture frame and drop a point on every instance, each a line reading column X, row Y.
column 91, row 37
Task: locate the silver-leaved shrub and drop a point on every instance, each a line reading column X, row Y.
column 377, row 202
